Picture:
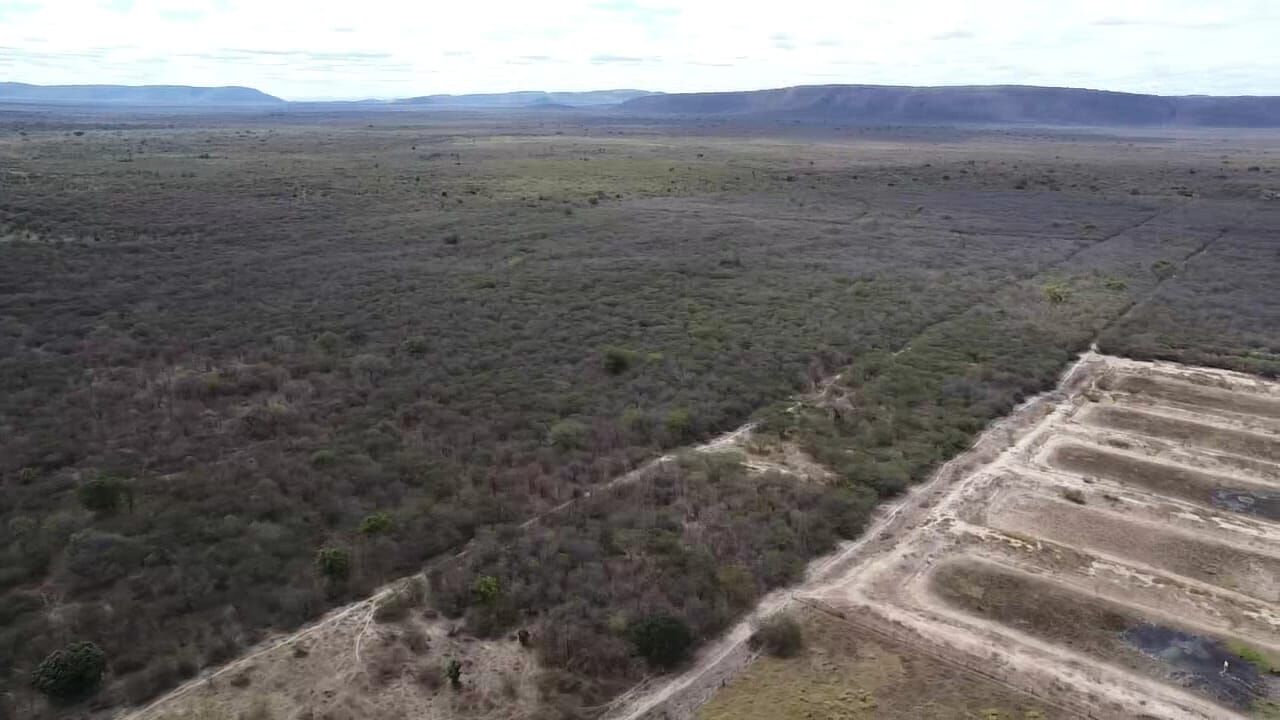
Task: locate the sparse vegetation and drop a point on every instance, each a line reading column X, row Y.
column 659, row 565
column 272, row 385
column 396, row 604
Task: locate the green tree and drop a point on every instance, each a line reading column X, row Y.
column 679, row 424
column 1163, row 269
column 568, row 434
column 663, row 640
column 780, row 635
column 416, row 345
column 738, row 585
column 378, row 523
column 1056, row 293
column 637, row 422
column 102, row 494
column 323, row 458
column 70, row 673
column 618, row 360
column 486, row 589
column 453, row 671
column 328, row 341
column 334, row 563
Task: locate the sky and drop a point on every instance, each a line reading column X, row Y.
column 321, row 49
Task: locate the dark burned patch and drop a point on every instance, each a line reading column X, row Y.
column 1263, row 503
column 1174, row 481
column 1203, row 664
column 1213, row 668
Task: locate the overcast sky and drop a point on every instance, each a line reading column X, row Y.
column 301, row 49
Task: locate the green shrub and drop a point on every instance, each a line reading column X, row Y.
column 636, row 421
column 453, row 671
column 269, row 419
column 619, row 360
column 376, row 524
column 780, row 635
column 70, row 673
column 486, row 588
column 102, row 495
column 416, row 345
column 329, row 342
column 334, row 563
column 679, row 425
column 662, row 640
column 568, row 434
column 738, row 585
column 1056, row 293
column 323, row 458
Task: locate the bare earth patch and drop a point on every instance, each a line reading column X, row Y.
column 849, row 674
column 399, row 672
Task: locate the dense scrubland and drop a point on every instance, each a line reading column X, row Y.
column 250, row 369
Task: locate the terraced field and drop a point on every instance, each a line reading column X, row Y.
column 1120, row 558
column 1108, row 550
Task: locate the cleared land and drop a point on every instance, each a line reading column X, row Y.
column 254, row 368
column 1102, row 594
column 852, row 674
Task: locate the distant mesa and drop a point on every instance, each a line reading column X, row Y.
column 997, row 104
column 172, row 95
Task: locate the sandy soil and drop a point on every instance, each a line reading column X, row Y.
column 399, row 672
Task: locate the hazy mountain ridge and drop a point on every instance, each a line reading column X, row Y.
column 529, row 98
column 853, row 104
column 971, row 104
column 135, row 94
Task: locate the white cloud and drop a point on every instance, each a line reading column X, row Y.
column 307, row 48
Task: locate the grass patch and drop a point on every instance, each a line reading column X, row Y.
column 1266, row 662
